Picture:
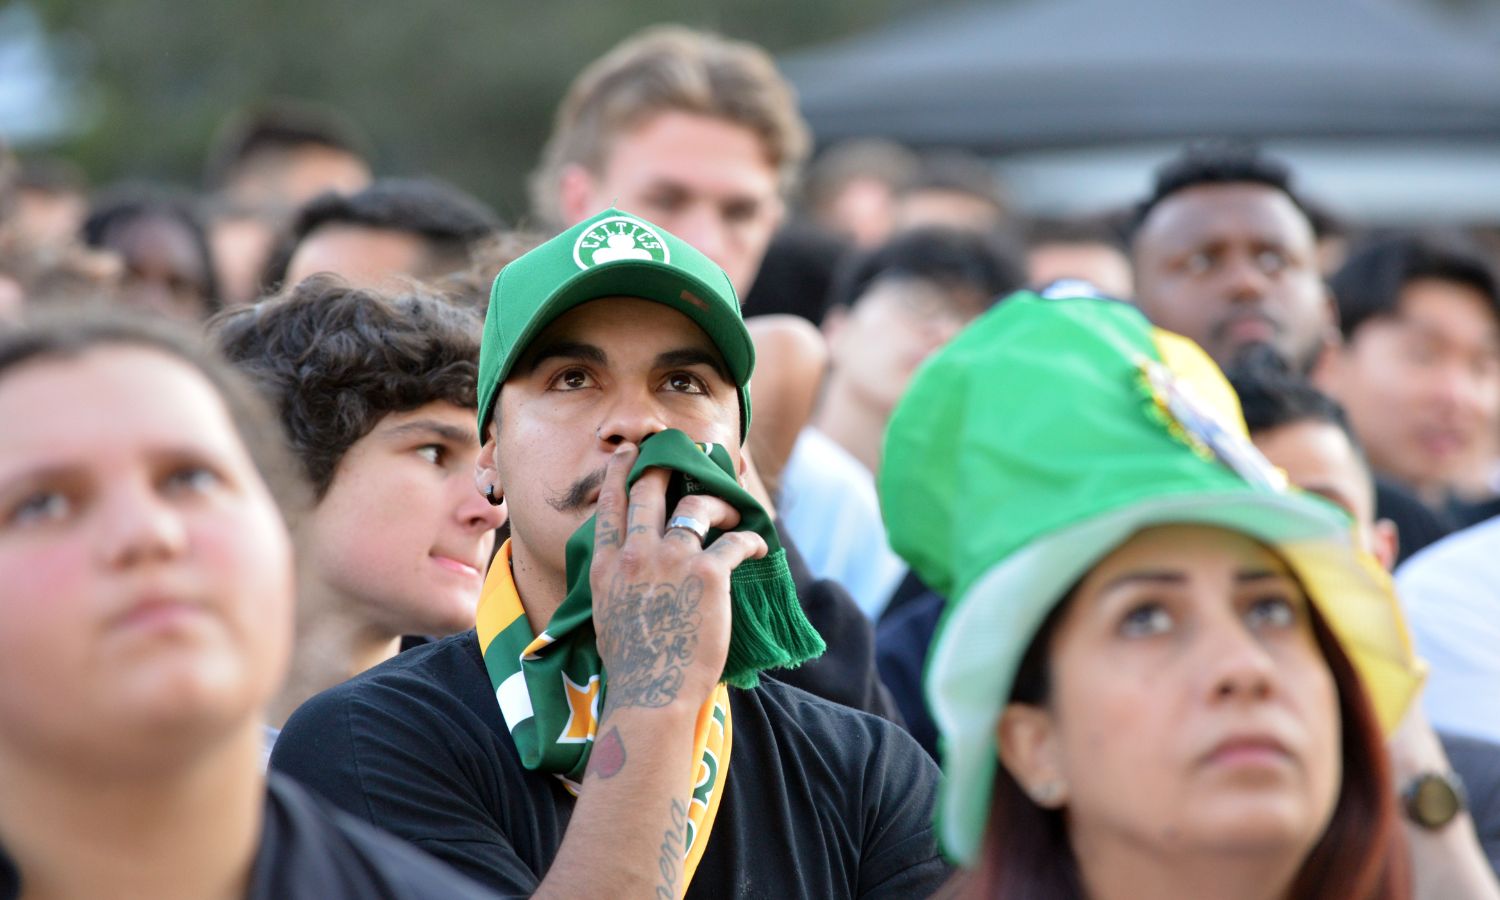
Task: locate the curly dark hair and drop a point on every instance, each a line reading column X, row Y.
column 335, row 359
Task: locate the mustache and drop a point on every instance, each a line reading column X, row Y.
column 577, row 497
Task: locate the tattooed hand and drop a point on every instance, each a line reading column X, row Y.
column 661, row 601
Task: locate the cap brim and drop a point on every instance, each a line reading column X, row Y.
column 647, row 280
column 985, row 632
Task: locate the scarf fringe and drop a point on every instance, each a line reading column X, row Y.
column 770, row 630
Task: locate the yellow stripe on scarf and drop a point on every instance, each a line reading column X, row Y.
column 499, row 602
column 713, row 734
column 711, row 744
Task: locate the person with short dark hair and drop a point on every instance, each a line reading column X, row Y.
column 413, row 228
column 146, row 623
column 168, row 267
column 1224, row 253
column 889, row 309
column 375, row 394
column 1419, row 370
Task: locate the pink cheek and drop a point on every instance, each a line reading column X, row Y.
column 226, row 558
column 50, row 594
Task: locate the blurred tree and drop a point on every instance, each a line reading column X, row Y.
column 461, row 89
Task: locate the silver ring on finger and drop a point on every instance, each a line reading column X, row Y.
column 688, row 523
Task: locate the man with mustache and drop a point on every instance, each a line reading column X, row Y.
column 601, row 731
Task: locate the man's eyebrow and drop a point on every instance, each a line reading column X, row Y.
column 567, row 350
column 692, row 356
column 433, row 427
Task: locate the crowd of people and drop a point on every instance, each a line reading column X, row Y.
column 741, row 523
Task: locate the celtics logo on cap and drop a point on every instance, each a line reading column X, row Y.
column 616, row 238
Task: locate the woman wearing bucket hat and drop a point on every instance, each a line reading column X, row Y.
column 1162, row 674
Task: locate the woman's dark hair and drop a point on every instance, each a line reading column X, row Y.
column 335, row 359
column 1361, row 856
column 62, row 334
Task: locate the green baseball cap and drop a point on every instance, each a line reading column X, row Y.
column 1041, row 438
column 614, row 254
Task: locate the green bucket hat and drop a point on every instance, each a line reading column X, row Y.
column 613, row 254
column 1044, row 436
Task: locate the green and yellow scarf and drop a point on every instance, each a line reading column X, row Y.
column 551, row 687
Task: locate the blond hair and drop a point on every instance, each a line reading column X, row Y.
column 666, row 68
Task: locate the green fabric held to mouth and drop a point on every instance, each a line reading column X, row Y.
column 768, row 628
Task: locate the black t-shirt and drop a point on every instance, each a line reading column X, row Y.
column 309, row 850
column 820, row 801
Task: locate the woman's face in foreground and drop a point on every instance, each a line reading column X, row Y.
column 1190, row 708
column 145, row 575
